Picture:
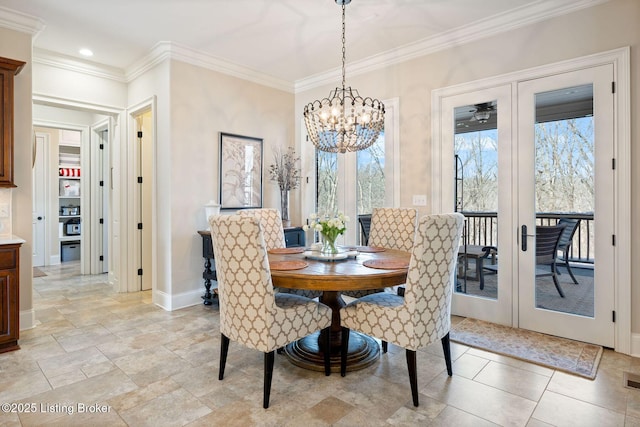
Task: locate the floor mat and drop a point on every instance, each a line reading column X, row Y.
column 569, row 356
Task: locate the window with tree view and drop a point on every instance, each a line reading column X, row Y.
column 364, row 169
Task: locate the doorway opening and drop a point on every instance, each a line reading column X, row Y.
column 71, row 169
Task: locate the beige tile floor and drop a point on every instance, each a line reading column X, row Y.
column 103, row 358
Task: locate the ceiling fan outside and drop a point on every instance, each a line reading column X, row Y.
column 482, row 112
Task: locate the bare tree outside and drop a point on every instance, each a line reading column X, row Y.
column 327, row 182
column 478, row 152
column 370, row 181
column 565, row 166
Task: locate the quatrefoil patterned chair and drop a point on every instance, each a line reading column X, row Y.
column 391, row 228
column 424, row 314
column 273, row 232
column 250, row 312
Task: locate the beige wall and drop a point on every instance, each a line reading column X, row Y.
column 203, row 104
column 608, row 26
column 193, row 105
column 17, row 45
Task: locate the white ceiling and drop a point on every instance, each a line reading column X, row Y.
column 289, row 40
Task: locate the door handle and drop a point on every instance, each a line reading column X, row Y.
column 524, row 237
column 39, row 218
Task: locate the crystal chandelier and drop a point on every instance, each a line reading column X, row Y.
column 344, row 121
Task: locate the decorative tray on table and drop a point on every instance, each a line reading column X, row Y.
column 317, row 255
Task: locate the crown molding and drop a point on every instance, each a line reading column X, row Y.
column 507, row 21
column 57, row 60
column 534, row 12
column 55, row 101
column 22, row 22
column 169, row 50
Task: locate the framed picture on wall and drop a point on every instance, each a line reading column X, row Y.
column 240, row 171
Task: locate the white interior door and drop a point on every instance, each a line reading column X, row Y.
column 100, row 144
column 553, row 171
column 40, row 174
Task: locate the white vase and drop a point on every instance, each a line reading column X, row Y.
column 211, row 208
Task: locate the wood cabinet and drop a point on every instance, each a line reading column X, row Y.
column 9, row 297
column 8, row 69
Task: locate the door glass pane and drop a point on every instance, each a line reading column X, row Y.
column 476, row 196
column 370, row 181
column 327, row 179
column 564, row 195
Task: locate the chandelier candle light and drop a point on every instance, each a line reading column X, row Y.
column 286, row 173
column 345, row 121
column 329, row 228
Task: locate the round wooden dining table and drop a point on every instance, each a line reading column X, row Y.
column 387, row 268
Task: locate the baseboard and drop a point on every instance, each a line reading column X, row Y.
column 176, row 302
column 27, row 319
column 635, row 345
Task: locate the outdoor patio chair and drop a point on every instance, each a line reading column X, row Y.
column 365, row 226
column 564, row 245
column 547, row 240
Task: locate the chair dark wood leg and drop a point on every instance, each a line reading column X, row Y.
column 400, row 291
column 413, row 375
column 344, row 348
column 280, row 350
column 385, row 345
column 446, row 348
column 224, row 349
column 268, row 375
column 327, row 352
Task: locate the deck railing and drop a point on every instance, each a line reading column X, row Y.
column 481, row 228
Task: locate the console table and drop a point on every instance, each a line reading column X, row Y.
column 293, row 236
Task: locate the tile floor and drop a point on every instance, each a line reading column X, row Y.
column 103, row 358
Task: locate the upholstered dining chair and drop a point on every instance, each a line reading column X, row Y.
column 391, row 228
column 250, row 312
column 424, row 314
column 271, row 223
column 273, row 232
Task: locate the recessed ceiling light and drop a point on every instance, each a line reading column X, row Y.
column 85, row 52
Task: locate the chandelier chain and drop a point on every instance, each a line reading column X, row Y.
column 344, row 49
column 344, row 121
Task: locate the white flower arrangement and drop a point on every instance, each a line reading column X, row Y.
column 330, row 227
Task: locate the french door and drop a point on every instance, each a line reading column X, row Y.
column 565, row 163
column 526, row 154
column 477, row 128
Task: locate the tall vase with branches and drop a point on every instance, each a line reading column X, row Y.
column 286, row 172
